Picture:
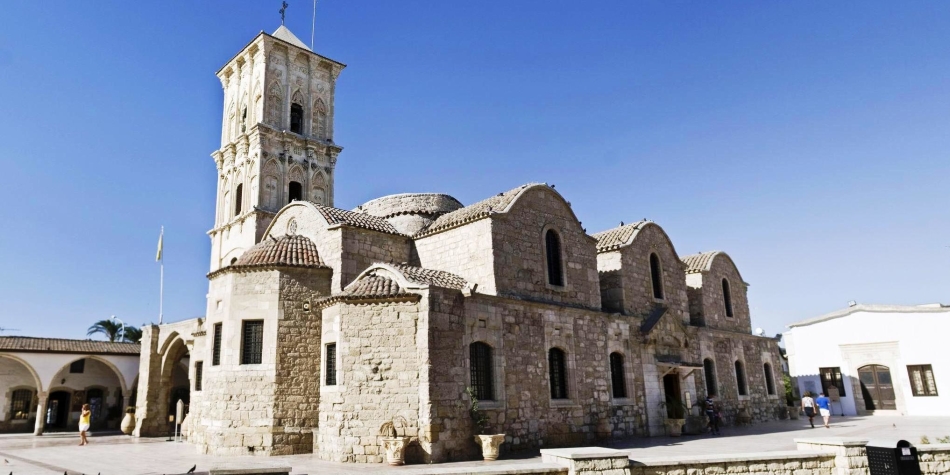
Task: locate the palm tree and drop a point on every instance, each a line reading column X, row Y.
column 133, row 334
column 107, row 327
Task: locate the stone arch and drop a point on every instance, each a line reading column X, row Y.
column 271, row 193
column 256, row 110
column 29, row 368
column 320, row 114
column 318, row 188
column 275, row 105
column 232, row 122
column 115, row 371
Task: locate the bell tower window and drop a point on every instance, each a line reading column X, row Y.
column 244, row 120
column 296, row 118
column 238, row 195
column 295, row 192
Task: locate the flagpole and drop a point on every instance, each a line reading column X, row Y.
column 161, row 279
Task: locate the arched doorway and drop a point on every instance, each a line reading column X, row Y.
column 175, row 376
column 57, row 410
column 877, row 387
column 19, row 387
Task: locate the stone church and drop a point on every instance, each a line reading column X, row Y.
column 324, row 323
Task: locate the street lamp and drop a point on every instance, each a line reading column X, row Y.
column 122, row 329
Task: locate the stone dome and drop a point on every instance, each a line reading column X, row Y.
column 289, row 250
column 410, row 212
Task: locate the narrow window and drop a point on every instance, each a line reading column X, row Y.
column 922, row 382
column 244, row 120
column 252, row 341
column 331, row 364
column 558, row 374
column 20, row 402
column 831, row 377
column 616, row 376
column 709, row 370
column 740, row 379
column 656, row 274
column 78, row 366
column 199, row 372
column 552, row 246
column 769, row 382
column 216, row 345
column 238, row 199
column 727, row 297
column 296, row 118
column 295, row 192
column 480, row 361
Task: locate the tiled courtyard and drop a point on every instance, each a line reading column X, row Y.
column 120, row 455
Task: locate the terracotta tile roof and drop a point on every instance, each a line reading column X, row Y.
column 288, row 250
column 618, row 237
column 699, row 262
column 433, row 277
column 61, row 345
column 359, row 220
column 496, row 204
column 374, row 286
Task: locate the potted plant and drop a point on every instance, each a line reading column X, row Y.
column 128, row 421
column 393, row 443
column 490, row 443
column 675, row 416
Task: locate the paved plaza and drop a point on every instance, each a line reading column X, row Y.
column 54, row 454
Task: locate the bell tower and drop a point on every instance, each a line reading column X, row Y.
column 276, row 138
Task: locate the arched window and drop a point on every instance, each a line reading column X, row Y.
column 294, row 192
column 320, row 119
column 238, row 199
column 740, row 379
column 480, row 361
column 769, row 382
column 558, row 369
column 709, row 370
column 20, row 402
column 727, row 297
column 244, row 120
column 296, row 118
column 616, row 375
column 656, row 275
column 552, row 246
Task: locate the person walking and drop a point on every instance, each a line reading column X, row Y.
column 712, row 412
column 808, row 407
column 84, row 421
column 824, row 407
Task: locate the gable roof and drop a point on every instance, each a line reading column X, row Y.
column 62, row 345
column 358, row 220
column 701, row 262
column 618, row 237
column 284, row 33
column 473, row 212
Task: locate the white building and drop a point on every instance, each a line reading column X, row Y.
column 883, row 359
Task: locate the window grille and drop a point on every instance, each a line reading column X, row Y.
column 331, row 364
column 616, row 375
column 199, row 372
column 216, row 346
column 922, row 382
column 20, row 402
column 556, row 364
column 252, row 341
column 656, row 275
column 480, row 361
column 740, row 379
column 552, row 246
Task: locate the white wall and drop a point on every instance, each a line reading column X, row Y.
column 895, row 338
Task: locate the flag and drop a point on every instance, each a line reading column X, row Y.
column 158, row 255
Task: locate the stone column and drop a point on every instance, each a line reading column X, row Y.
column 40, row 414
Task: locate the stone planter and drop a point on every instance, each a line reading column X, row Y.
column 490, row 444
column 674, row 427
column 793, row 412
column 395, row 448
column 128, row 423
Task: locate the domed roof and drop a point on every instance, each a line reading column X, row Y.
column 288, row 250
column 429, row 204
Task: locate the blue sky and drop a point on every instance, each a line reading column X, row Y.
column 807, row 139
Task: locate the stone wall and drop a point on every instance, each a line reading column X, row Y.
column 465, row 251
column 637, row 281
column 518, row 244
column 725, row 348
column 712, row 307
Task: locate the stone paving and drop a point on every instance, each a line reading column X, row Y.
column 54, row 454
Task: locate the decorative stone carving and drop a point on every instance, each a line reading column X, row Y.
column 395, row 448
column 491, row 445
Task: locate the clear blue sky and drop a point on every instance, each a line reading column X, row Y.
column 807, row 139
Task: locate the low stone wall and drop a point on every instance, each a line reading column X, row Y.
column 818, row 456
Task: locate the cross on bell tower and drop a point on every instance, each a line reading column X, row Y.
column 276, row 138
